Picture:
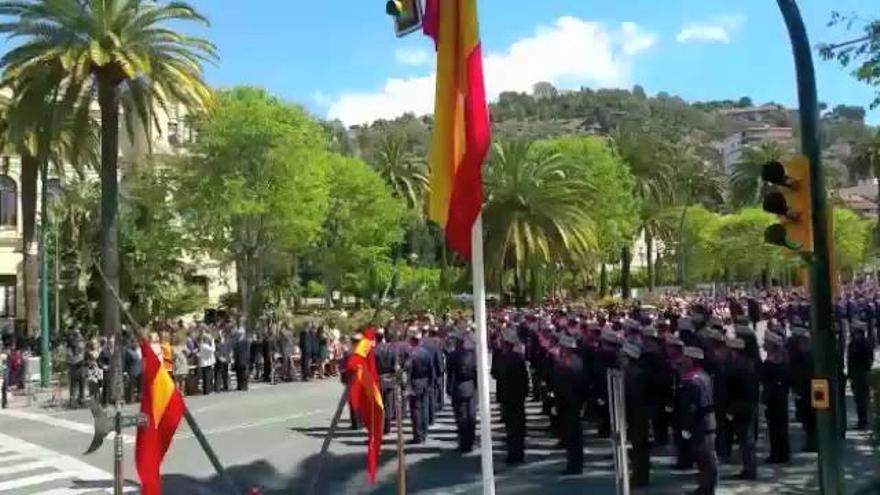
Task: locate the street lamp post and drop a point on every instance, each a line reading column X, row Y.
column 51, row 187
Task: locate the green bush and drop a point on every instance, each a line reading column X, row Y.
column 315, row 289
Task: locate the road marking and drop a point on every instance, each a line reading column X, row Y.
column 57, row 422
column 84, row 491
column 69, row 468
column 18, row 457
column 24, row 466
column 32, row 480
column 256, row 424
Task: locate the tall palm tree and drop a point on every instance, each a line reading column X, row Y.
column 535, row 210
column 746, row 185
column 403, row 171
column 109, row 48
column 697, row 182
column 33, row 128
column 641, row 149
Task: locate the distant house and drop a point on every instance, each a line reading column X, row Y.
column 861, row 198
column 733, row 146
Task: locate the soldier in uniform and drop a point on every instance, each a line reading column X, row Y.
column 386, row 366
column 567, row 379
column 511, row 390
column 775, row 380
column 307, row 347
column 859, row 359
column 742, row 403
column 637, row 414
column 801, row 359
column 605, row 359
column 698, row 419
column 716, row 363
column 241, row 357
column 420, row 368
column 658, row 379
column 461, row 375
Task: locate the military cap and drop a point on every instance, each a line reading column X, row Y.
column 743, row 330
column 674, row 341
column 511, row 336
column 694, row 352
column 742, row 320
column 771, row 338
column 685, row 324
column 631, row 325
column 632, row 350
column 736, row 343
column 716, row 322
column 568, row 342
column 800, row 331
column 611, row 336
column 859, row 326
column 649, row 331
column 715, row 334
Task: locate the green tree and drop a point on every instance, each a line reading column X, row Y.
column 105, row 48
column 865, row 162
column 534, row 208
column 852, row 240
column 403, row 171
column 256, row 183
column 364, row 221
column 608, row 195
column 863, row 51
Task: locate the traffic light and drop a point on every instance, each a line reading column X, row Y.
column 407, row 15
column 790, row 199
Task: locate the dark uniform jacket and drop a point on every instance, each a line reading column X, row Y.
column 461, row 373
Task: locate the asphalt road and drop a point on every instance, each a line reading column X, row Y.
column 270, row 436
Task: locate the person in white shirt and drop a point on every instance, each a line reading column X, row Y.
column 206, row 361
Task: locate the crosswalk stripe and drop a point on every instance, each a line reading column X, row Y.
column 24, row 466
column 32, row 480
column 18, row 457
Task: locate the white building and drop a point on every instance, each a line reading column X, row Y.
column 733, row 146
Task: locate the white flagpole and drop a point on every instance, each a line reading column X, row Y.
column 482, row 339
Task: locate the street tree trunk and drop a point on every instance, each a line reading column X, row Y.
column 29, row 246
column 682, row 250
column 625, row 260
column 108, row 100
column 649, row 252
column 603, row 281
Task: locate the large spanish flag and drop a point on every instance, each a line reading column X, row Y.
column 461, row 120
column 365, row 397
column 163, row 407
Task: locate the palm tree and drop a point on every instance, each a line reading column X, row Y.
column 746, row 185
column 697, row 182
column 640, row 150
column 109, row 48
column 33, row 128
column 535, row 210
column 404, row 172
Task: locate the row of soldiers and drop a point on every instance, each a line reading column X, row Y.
column 702, row 382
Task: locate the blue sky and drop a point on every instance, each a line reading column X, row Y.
column 340, row 58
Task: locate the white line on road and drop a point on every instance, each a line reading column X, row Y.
column 58, row 423
column 24, row 466
column 68, row 466
column 83, row 491
column 32, row 480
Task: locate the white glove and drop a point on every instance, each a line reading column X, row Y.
column 729, row 417
column 601, row 402
column 668, row 409
column 553, row 411
column 685, row 434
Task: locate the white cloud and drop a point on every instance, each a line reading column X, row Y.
column 719, row 29
column 413, row 56
column 570, row 53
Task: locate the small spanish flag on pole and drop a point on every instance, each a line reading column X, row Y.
column 163, row 407
column 460, row 143
column 365, row 397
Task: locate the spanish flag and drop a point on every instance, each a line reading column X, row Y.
column 365, row 397
column 461, row 120
column 163, row 407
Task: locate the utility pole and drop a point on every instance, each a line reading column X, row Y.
column 823, row 338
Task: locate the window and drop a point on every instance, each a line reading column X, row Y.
column 7, row 296
column 8, row 201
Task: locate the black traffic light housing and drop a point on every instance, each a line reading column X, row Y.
column 407, row 15
column 790, row 200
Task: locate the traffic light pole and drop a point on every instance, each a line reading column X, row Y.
column 823, row 337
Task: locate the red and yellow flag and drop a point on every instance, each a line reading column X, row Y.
column 163, row 407
column 461, row 120
column 365, row 397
